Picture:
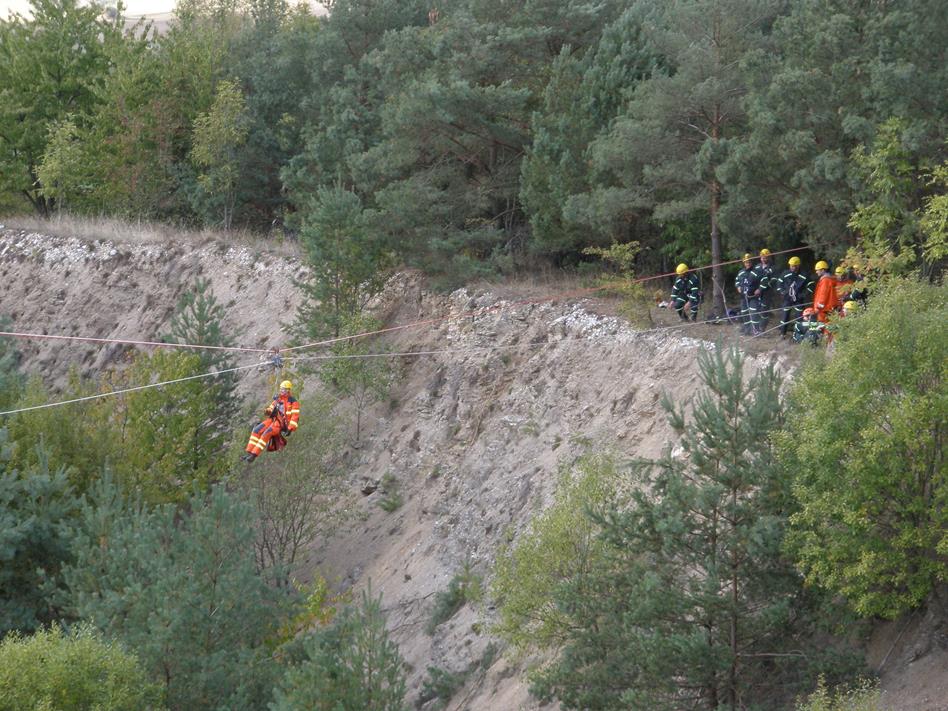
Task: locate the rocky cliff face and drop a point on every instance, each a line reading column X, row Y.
column 472, row 436
column 104, row 289
column 475, row 441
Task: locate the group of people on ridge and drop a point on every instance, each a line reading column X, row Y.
column 805, row 302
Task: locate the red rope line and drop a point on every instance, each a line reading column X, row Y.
column 510, row 304
column 390, row 329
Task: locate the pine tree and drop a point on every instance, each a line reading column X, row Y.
column 839, row 71
column 584, row 94
column 349, row 261
column 182, row 590
column 694, row 605
column 199, row 320
column 666, row 149
column 351, row 665
column 37, row 506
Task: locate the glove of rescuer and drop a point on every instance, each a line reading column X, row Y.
column 285, row 433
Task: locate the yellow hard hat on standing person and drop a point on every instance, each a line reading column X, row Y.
column 765, row 252
column 748, row 258
column 794, row 261
column 681, row 269
column 286, row 385
column 822, row 265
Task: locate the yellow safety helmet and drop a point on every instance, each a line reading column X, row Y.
column 822, row 265
column 794, row 262
column 748, row 257
column 850, row 306
column 840, row 270
column 765, row 252
column 681, row 269
column 286, row 385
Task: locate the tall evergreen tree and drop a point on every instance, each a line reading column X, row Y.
column 37, row 506
column 694, row 604
column 341, row 108
column 199, row 320
column 349, row 260
column 665, row 151
column 350, row 665
column 584, row 94
column 183, row 592
column 841, row 69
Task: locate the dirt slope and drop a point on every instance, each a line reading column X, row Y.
column 473, row 436
column 101, row 289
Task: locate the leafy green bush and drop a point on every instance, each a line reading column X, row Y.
column 862, row 697
column 392, row 498
column 58, row 671
column 464, row 587
column 441, row 684
column 865, row 449
column 558, row 545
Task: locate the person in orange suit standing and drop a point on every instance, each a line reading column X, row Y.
column 844, row 284
column 282, row 418
column 825, row 300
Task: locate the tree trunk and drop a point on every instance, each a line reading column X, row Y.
column 717, row 274
column 732, row 675
column 39, row 203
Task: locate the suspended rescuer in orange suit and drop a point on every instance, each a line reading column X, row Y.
column 825, row 300
column 282, row 418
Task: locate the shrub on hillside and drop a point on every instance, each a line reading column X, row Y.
column 72, row 671
column 865, row 448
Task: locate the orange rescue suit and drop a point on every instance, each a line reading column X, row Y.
column 825, row 299
column 283, row 414
column 844, row 288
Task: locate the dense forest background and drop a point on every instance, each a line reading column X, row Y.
column 477, row 137
column 484, row 138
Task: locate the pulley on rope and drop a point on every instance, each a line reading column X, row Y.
column 274, row 361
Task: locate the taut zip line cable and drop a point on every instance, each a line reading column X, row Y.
column 375, row 355
column 129, row 390
column 157, row 344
